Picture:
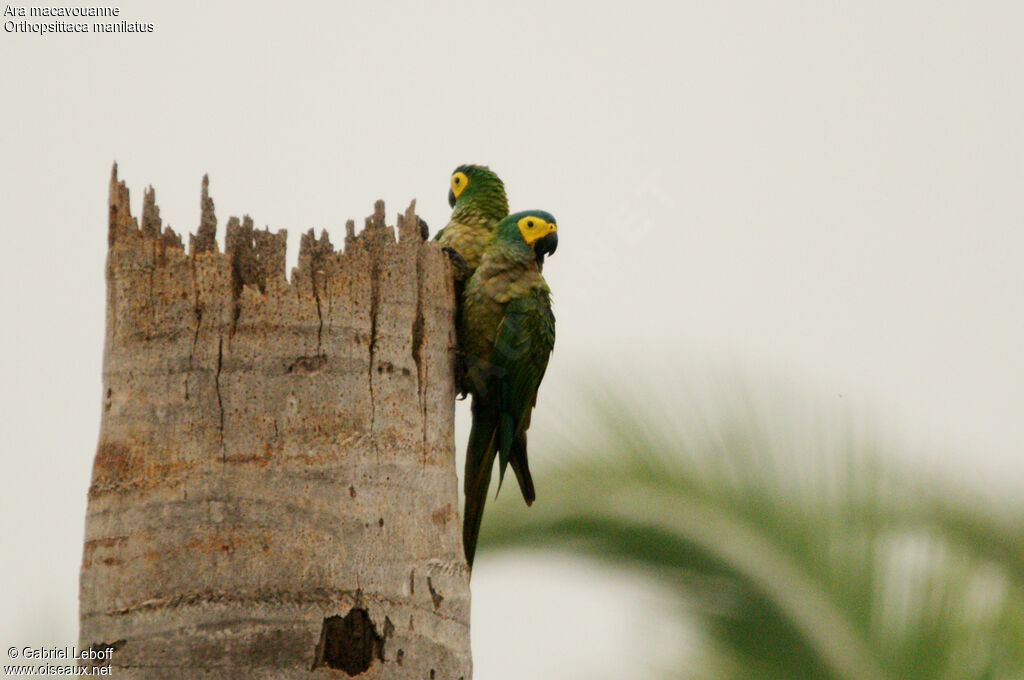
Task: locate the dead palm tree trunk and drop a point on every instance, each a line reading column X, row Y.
column 274, row 494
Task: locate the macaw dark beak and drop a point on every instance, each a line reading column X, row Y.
column 545, row 246
column 451, row 198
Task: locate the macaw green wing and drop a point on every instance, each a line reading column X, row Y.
column 522, row 347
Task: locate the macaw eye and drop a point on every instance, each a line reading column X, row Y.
column 530, row 223
column 458, row 179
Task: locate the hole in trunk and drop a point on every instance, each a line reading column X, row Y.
column 349, row 644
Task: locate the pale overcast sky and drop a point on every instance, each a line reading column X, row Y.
column 819, row 195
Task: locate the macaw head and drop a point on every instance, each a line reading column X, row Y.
column 531, row 227
column 478, row 186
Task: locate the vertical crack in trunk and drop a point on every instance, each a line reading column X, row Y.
column 152, row 298
column 216, row 386
column 319, row 310
column 374, row 308
column 315, row 255
column 417, row 344
column 327, row 294
column 199, row 322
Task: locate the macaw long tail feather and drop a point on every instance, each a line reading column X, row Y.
column 522, row 469
column 479, row 461
column 474, row 514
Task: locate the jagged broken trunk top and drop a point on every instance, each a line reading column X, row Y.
column 274, row 492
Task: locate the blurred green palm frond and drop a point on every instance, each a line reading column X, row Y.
column 803, row 549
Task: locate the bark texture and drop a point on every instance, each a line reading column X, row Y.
column 274, row 492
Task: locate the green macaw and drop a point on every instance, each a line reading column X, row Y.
column 478, row 201
column 506, row 331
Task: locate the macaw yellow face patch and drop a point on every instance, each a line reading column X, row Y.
column 459, row 182
column 533, row 228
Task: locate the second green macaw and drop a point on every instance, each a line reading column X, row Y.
column 506, row 332
column 478, row 201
